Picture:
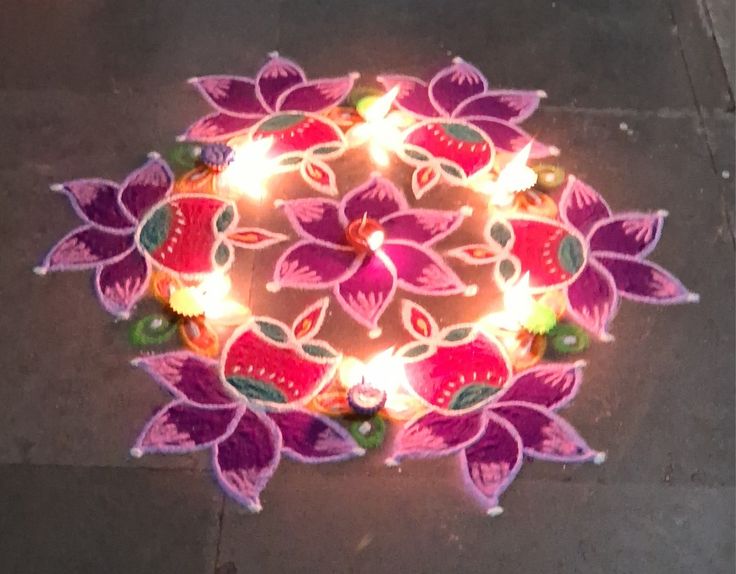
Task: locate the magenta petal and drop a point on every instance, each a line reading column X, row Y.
column 310, row 265
column 644, row 281
column 275, row 77
column 230, row 94
column 376, row 198
column 544, row 434
column 433, row 435
column 96, row 201
column 550, row 385
column 84, row 248
column 146, row 186
column 183, row 427
column 317, row 95
column 424, row 226
column 453, row 85
column 316, row 218
column 310, row 437
column 508, row 105
column 187, row 376
column 422, row 271
column 246, row 460
column 365, row 294
column 634, row 234
column 218, row 127
column 592, row 300
column 582, row 206
column 509, row 138
column 122, row 283
column 492, row 462
column 413, row 96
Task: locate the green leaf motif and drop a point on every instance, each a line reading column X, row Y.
column 318, row 351
column 272, row 331
column 470, row 396
column 416, row 350
column 256, row 389
column 458, row 334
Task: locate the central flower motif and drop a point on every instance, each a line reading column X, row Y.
column 366, row 245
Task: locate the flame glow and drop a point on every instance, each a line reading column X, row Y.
column 212, row 295
column 384, row 371
column 515, row 176
column 250, row 169
column 518, row 306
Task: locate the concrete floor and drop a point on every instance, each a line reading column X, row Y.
column 87, row 88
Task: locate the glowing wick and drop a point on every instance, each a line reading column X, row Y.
column 365, row 234
column 209, row 299
column 249, row 170
column 515, row 176
column 518, row 301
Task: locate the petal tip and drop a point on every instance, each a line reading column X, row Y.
column 273, row 287
column 580, row 364
column 278, row 203
column 391, row 462
column 494, row 511
column 692, row 298
column 471, row 291
column 136, row 452
column 554, row 151
column 358, row 451
column 662, row 213
column 606, row 337
column 154, row 155
column 542, row 94
column 466, row 211
column 600, row 458
column 193, row 80
column 57, row 187
column 458, row 60
column 41, row 270
column 254, row 506
column 354, row 75
column 375, row 333
column 274, row 54
column 181, row 138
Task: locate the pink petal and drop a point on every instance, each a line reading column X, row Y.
column 316, row 218
column 232, row 95
column 84, row 248
column 246, row 460
column 634, row 234
column 433, row 435
column 311, row 265
column 581, row 206
column 425, row 226
column 592, row 300
column 122, row 283
column 316, row 95
column 146, row 186
column 218, row 127
column 183, row 427
column 311, row 437
column 551, row 385
column 508, row 105
column 413, row 95
column 376, row 198
column 96, row 201
column 644, row 281
column 492, row 462
column 509, row 138
column 544, row 434
column 255, row 237
column 421, row 270
column 453, row 85
column 275, row 77
column 366, row 293
column 187, row 376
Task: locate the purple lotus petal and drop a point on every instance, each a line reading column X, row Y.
column 218, row 127
column 376, row 198
column 316, row 95
column 508, row 105
column 424, row 226
column 246, row 460
column 453, row 85
column 311, row 265
column 182, row 427
column 310, row 437
column 232, row 95
column 582, row 206
column 275, row 77
column 492, row 462
column 421, row 270
column 592, row 300
column 187, row 376
column 544, row 434
column 413, row 96
column 121, row 284
column 433, row 435
column 644, row 281
column 551, row 385
column 316, row 218
column 146, row 186
column 84, row 248
column 634, row 234
column 366, row 293
column 96, row 201
column 509, row 138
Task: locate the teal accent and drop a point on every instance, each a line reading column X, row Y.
column 416, row 350
column 225, row 218
column 463, row 133
column 570, row 254
column 156, row 230
column 453, row 171
column 222, row 254
column 500, row 233
column 290, row 161
column 153, row 329
column 272, row 331
column 471, row 395
column 318, row 351
column 568, row 339
column 374, row 437
column 325, row 150
column 507, row 268
column 415, row 155
column 458, row 334
column 280, row 122
column 257, row 389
